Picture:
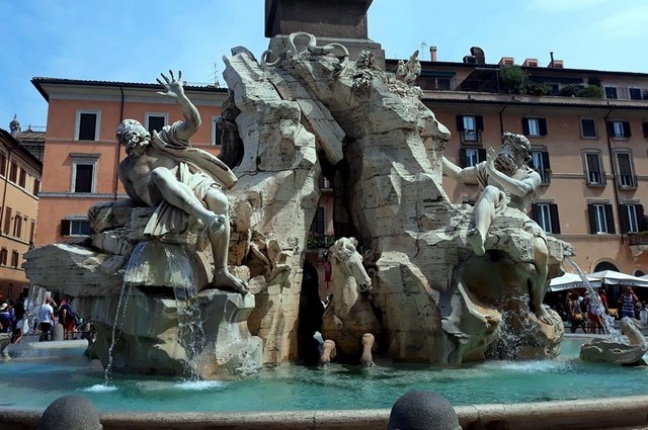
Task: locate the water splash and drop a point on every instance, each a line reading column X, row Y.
column 120, row 313
column 191, row 334
column 100, row 388
column 608, row 320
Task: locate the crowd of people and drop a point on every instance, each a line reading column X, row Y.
column 588, row 312
column 20, row 318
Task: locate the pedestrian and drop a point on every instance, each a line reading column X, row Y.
column 45, row 319
column 627, row 302
column 5, row 318
column 67, row 318
column 21, row 323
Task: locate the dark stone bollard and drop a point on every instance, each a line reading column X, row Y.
column 70, row 413
column 423, row 410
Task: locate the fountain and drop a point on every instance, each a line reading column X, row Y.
column 436, row 284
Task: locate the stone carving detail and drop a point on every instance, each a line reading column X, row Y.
column 618, row 351
column 410, row 70
column 349, row 315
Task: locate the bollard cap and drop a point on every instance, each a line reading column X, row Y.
column 423, row 410
column 70, row 413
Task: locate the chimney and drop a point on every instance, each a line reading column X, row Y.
column 433, row 53
column 530, row 62
column 506, row 61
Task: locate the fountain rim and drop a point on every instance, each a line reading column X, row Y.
column 607, row 413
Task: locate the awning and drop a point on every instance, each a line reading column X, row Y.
column 611, row 277
column 569, row 281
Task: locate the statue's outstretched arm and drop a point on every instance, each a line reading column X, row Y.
column 174, row 89
column 466, row 175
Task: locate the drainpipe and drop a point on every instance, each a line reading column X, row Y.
column 117, row 148
column 613, row 165
column 501, row 120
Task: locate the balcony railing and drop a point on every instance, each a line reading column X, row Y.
column 636, row 239
column 627, row 182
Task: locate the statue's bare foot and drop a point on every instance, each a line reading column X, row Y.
column 224, row 280
column 543, row 315
column 475, row 241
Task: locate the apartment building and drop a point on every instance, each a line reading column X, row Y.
column 589, row 134
column 20, row 181
column 82, row 154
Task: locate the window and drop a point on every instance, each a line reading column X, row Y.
column 32, row 232
column 546, row 215
column 625, row 167
column 3, row 165
column 534, row 126
column 644, row 125
column 588, row 127
column 593, row 169
column 13, row 172
column 600, row 218
column 3, row 256
column 17, row 230
column 14, row 258
column 217, row 130
column 84, row 170
column 87, row 125
column 470, row 127
column 155, row 121
column 36, row 187
column 635, row 93
column 540, row 163
column 7, row 221
column 469, row 157
column 610, row 92
column 632, row 218
column 75, row 227
column 22, row 180
column 318, row 226
column 619, row 129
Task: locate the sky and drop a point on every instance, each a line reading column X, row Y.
column 135, row 40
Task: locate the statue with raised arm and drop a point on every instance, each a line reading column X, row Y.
column 506, row 181
column 181, row 182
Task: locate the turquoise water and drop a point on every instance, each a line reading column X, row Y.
column 35, row 380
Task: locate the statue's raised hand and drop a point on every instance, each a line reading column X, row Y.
column 172, row 87
column 490, row 159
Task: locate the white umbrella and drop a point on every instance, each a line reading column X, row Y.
column 612, row 277
column 571, row 280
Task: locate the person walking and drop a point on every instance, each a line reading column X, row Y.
column 627, row 302
column 45, row 319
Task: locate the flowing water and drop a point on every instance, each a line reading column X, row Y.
column 607, row 320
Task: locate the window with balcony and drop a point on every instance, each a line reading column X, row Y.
column 155, row 121
column 540, row 163
column 631, row 217
column 594, row 173
column 619, row 129
column 546, row 215
column 610, row 93
column 75, row 227
column 87, row 125
column 625, row 167
column 470, row 127
column 470, row 157
column 534, row 127
column 217, row 131
column 601, row 218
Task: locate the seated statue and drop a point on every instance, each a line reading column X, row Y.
column 181, row 182
column 506, row 181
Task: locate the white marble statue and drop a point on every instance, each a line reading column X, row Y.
column 182, row 182
column 410, row 70
column 506, row 181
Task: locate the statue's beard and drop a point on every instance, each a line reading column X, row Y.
column 505, row 163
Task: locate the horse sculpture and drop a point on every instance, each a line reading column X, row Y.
column 349, row 315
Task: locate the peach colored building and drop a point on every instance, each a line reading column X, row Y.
column 590, row 146
column 82, row 154
column 20, row 179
